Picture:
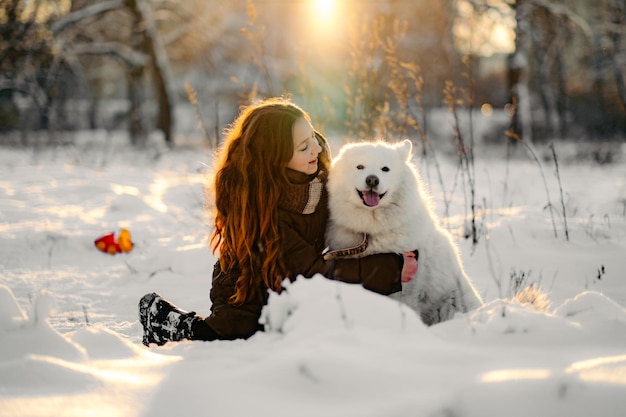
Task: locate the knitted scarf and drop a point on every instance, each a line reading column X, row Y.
column 304, row 192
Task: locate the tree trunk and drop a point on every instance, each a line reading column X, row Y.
column 616, row 39
column 159, row 66
column 562, row 98
column 136, row 125
column 521, row 122
column 544, row 36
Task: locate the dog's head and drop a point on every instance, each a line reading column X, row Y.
column 366, row 173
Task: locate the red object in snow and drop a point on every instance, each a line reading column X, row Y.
column 109, row 244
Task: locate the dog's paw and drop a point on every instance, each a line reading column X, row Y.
column 439, row 310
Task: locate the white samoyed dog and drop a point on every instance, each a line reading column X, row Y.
column 375, row 189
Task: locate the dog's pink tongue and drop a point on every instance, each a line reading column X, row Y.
column 371, row 198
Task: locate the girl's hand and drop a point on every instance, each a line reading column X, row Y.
column 409, row 268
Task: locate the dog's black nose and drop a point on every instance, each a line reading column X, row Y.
column 371, row 181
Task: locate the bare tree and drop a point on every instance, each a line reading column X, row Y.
column 146, row 54
column 26, row 62
column 521, row 121
column 31, row 68
column 142, row 13
column 537, row 66
column 616, row 29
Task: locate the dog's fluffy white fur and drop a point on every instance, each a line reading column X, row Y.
column 374, row 188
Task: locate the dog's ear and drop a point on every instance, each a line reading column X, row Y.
column 407, row 149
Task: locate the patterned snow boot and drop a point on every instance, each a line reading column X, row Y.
column 162, row 321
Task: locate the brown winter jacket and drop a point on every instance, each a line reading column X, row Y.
column 302, row 213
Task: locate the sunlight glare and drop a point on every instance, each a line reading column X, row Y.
column 486, row 109
column 43, row 11
column 157, row 191
column 324, row 7
column 120, row 189
column 609, row 369
column 323, row 28
column 505, row 375
column 484, row 33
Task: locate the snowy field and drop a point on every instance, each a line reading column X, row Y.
column 70, row 338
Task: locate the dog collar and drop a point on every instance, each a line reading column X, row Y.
column 341, row 253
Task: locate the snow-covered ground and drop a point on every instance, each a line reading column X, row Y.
column 70, row 339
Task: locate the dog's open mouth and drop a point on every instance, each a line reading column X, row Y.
column 370, row 198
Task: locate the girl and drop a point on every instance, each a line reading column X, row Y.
column 270, row 218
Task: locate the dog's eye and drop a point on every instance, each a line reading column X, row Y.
column 360, row 166
column 385, row 169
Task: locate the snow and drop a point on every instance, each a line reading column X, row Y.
column 70, row 338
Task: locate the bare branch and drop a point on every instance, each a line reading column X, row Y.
column 176, row 34
column 481, row 6
column 30, row 89
column 128, row 55
column 562, row 10
column 89, row 11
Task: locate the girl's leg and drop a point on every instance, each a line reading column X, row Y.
column 200, row 330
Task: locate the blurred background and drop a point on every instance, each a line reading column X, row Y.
column 533, row 70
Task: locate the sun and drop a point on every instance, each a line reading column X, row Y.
column 325, row 15
column 324, row 7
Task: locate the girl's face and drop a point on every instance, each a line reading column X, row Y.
column 305, row 148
